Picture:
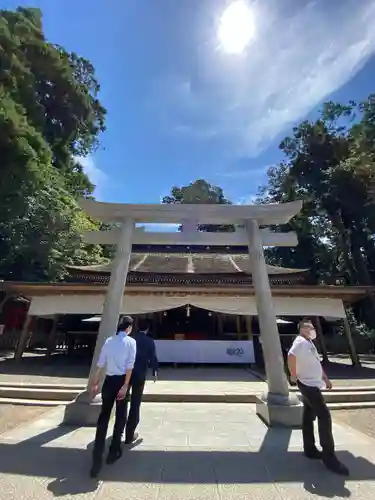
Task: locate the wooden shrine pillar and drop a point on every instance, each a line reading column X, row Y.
column 352, row 350
column 24, row 337
column 156, row 320
column 321, row 339
column 4, row 300
column 135, row 325
column 238, row 326
column 161, row 318
column 51, row 343
column 220, row 324
column 249, row 327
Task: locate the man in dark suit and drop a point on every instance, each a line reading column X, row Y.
column 146, row 357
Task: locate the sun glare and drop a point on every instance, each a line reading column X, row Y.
column 237, row 27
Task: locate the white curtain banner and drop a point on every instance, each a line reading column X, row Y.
column 143, row 305
column 244, row 306
column 205, row 351
column 66, row 304
column 309, row 306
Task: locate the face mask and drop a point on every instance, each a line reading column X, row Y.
column 312, row 334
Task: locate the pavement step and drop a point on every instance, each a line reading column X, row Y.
column 349, row 396
column 28, row 385
column 351, row 406
column 32, row 402
column 38, row 393
column 54, row 403
column 27, row 392
column 81, row 387
column 364, row 388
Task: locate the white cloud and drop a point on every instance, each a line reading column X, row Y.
column 251, row 172
column 246, row 200
column 94, row 173
column 303, row 52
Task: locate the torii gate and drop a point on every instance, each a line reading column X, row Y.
column 277, row 406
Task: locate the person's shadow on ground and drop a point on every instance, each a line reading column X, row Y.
column 274, row 463
column 73, row 485
column 328, row 489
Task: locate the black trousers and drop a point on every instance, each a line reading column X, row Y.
column 314, row 407
column 134, row 396
column 111, row 387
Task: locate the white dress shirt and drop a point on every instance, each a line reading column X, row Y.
column 118, row 354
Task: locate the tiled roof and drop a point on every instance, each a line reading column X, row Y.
column 188, row 263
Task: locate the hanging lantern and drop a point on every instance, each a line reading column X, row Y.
column 188, row 311
column 165, row 313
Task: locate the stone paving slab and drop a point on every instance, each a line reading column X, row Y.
column 189, row 451
column 204, row 387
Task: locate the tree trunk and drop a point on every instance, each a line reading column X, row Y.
column 345, row 245
column 363, row 274
column 360, row 263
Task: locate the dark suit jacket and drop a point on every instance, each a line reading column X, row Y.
column 146, row 356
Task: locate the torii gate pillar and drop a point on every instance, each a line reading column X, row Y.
column 85, row 409
column 277, row 406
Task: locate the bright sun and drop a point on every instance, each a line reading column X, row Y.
column 237, row 27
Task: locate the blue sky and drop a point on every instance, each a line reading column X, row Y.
column 180, row 108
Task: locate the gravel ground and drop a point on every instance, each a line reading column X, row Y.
column 12, row 416
column 360, row 420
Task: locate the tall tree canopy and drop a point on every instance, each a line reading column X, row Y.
column 329, row 163
column 49, row 116
column 200, row 192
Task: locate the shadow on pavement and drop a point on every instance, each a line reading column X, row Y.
column 75, row 367
column 337, row 371
column 57, row 365
column 72, row 485
column 328, row 488
column 68, row 467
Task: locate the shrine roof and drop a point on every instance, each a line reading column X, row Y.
column 187, row 263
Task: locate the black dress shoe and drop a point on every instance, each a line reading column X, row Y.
column 113, row 456
column 313, row 454
column 131, row 440
column 334, row 465
column 95, row 468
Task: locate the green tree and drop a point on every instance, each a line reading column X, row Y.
column 330, row 165
column 49, row 115
column 200, row 191
column 57, row 90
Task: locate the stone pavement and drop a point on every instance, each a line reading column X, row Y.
column 190, row 451
column 182, row 381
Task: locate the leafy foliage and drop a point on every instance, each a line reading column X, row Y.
column 329, row 164
column 49, row 115
column 200, row 192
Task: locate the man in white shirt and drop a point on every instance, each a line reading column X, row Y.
column 305, row 367
column 117, row 358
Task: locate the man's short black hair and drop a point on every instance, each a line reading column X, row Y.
column 143, row 324
column 124, row 323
